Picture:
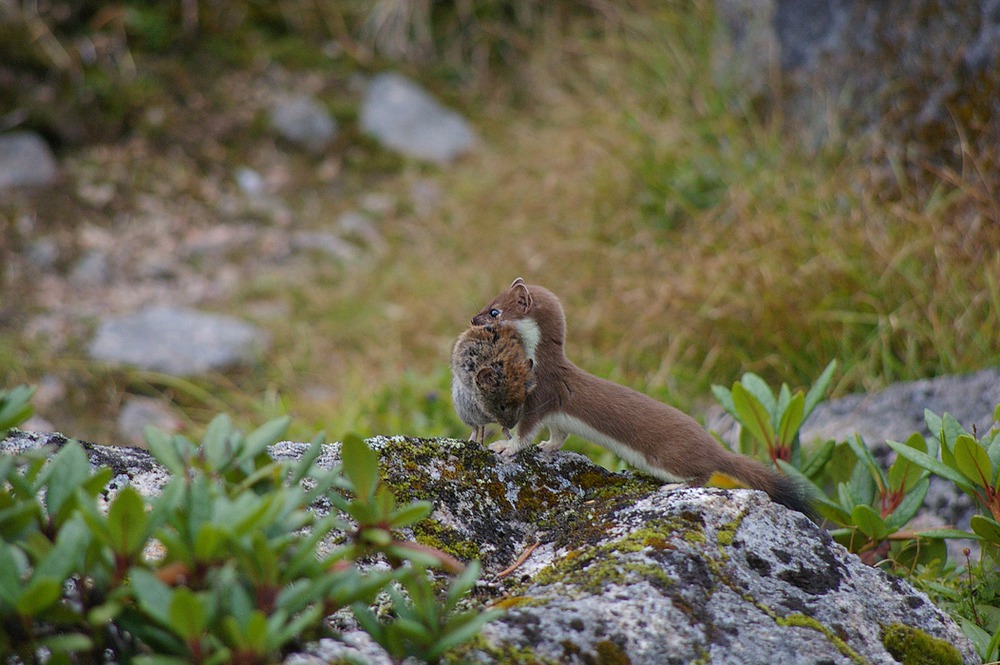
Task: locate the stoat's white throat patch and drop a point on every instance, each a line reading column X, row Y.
column 530, row 335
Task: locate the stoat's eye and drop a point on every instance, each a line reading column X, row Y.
column 494, row 312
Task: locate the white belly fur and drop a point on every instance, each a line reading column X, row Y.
column 576, row 426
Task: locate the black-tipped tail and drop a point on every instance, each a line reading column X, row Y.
column 792, row 494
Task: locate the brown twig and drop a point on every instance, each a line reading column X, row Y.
column 520, row 560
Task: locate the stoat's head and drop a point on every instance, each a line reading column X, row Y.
column 533, row 310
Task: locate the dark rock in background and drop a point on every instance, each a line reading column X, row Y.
column 921, row 78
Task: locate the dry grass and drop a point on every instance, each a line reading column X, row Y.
column 689, row 244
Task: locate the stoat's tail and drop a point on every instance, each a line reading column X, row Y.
column 781, row 488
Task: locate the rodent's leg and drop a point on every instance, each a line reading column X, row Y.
column 524, row 434
column 557, row 438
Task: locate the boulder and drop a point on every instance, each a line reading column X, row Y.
column 403, row 117
column 922, row 78
column 624, row 570
column 176, row 340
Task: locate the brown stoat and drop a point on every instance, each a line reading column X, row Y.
column 491, row 378
column 651, row 436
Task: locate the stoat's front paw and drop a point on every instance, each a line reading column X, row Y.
column 551, row 445
column 505, row 448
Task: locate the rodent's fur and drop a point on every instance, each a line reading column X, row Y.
column 491, row 378
column 648, row 434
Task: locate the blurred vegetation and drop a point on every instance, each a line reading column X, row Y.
column 690, row 239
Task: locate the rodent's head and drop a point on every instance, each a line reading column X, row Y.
column 504, row 388
column 534, row 311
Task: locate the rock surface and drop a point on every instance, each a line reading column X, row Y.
column 625, row 571
column 925, row 71
column 404, row 117
column 303, row 121
column 25, row 160
column 176, row 340
column 898, row 411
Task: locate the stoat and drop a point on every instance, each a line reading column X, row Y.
column 651, row 436
column 491, row 378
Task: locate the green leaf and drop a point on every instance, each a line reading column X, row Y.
column 725, row 398
column 934, row 423
column 464, row 631
column 67, row 470
column 815, row 463
column 753, row 415
column 305, row 463
column 68, row 551
column 757, row 387
column 857, row 445
column 818, row 390
column 863, row 486
column 127, row 522
column 791, row 420
column 972, row 461
column 462, row 584
column 267, row 434
column 152, row 594
column 869, row 522
column 67, row 643
column 188, row 614
column 39, row 595
column 904, row 473
column 15, row 406
column 218, row 441
column 163, row 447
column 360, row 466
column 987, row 528
column 934, row 466
column 947, row 533
column 10, row 580
column 376, row 536
column 410, row 514
column 951, row 429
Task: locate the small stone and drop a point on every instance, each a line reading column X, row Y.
column 322, row 241
column 405, row 118
column 176, row 340
column 248, row 180
column 91, row 270
column 304, row 122
column 137, row 413
column 42, row 253
column 25, row 160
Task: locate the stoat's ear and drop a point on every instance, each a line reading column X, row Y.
column 520, row 290
column 487, row 377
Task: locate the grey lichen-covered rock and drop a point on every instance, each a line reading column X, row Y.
column 404, row 117
column 920, row 74
column 625, row 571
column 176, row 340
column 898, row 411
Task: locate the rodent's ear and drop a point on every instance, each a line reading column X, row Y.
column 487, row 377
column 522, row 294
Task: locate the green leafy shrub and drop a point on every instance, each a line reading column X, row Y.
column 231, row 562
column 772, row 422
column 15, row 407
